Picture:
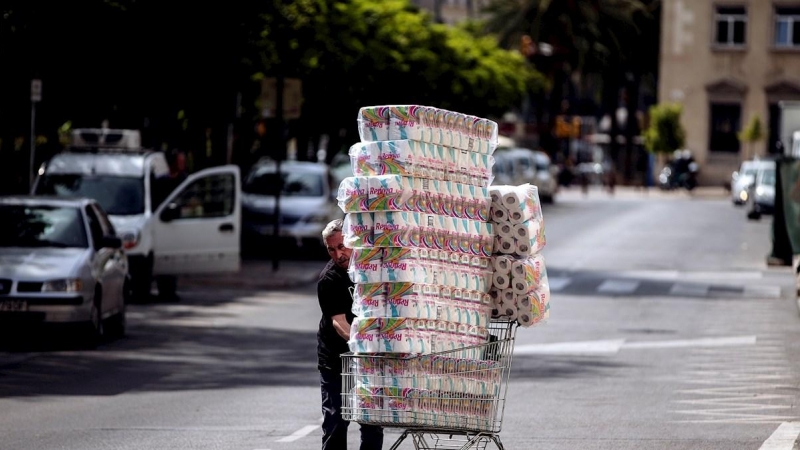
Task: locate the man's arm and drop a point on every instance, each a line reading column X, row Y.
column 341, row 326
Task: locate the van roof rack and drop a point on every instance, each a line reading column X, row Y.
column 106, row 140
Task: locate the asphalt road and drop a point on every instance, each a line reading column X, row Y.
column 667, row 331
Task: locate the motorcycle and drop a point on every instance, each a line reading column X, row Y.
column 680, row 173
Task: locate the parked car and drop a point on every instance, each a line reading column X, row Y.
column 741, row 181
column 61, row 261
column 517, row 166
column 168, row 226
column 761, row 193
column 307, row 201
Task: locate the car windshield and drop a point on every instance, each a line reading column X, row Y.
column 295, row 184
column 768, row 177
column 118, row 196
column 41, row 226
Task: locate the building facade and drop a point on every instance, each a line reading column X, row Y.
column 728, row 61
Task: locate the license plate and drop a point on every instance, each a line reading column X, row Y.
column 13, row 306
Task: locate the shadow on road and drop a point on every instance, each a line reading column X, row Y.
column 165, row 357
column 543, row 367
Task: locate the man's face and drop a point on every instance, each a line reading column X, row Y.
column 338, row 252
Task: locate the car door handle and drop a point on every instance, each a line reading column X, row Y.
column 226, row 227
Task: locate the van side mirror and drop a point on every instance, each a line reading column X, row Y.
column 111, row 242
column 735, row 175
column 170, row 212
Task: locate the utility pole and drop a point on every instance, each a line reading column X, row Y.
column 279, row 153
column 36, row 96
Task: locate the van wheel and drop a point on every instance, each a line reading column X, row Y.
column 167, row 287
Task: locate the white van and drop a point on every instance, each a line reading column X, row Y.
column 168, row 227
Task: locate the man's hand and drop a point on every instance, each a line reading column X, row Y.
column 341, row 326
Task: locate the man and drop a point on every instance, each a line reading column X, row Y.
column 333, row 290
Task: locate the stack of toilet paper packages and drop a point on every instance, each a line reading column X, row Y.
column 418, row 208
column 520, row 290
column 427, row 390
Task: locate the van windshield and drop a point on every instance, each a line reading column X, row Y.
column 118, row 196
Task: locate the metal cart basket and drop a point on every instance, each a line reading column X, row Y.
column 446, row 400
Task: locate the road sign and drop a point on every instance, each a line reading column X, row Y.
column 36, row 90
column 292, row 98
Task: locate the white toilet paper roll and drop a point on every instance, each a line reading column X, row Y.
column 501, row 280
column 499, row 214
column 506, row 229
column 502, row 264
column 505, row 246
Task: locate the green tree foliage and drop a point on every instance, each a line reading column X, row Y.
column 753, row 132
column 665, row 133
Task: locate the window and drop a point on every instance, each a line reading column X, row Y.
column 41, row 226
column 731, row 26
column 211, row 196
column 118, row 196
column 295, row 184
column 108, row 227
column 787, row 27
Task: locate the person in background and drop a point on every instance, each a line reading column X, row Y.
column 333, row 291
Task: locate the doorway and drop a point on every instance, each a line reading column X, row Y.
column 725, row 123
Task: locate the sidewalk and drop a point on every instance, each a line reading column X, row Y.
column 258, row 275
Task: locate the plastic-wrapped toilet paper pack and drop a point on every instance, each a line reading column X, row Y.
column 368, row 403
column 364, row 333
column 366, row 265
column 353, row 194
column 404, row 122
column 521, row 203
column 365, row 159
column 534, row 307
column 358, row 229
column 397, row 157
column 369, row 299
column 389, row 192
column 402, row 264
column 529, row 237
column 527, row 274
column 373, row 123
column 369, row 372
column 409, row 300
column 396, row 229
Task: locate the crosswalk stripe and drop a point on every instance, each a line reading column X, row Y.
column 783, row 438
column 689, row 289
column 618, row 286
column 558, row 283
column 762, row 291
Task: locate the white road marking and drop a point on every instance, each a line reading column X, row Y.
column 650, row 274
column 703, row 342
column 689, row 289
column 783, row 438
column 301, row 433
column 558, row 283
column 618, row 286
column 727, row 275
column 762, row 291
column 571, row 348
column 612, row 346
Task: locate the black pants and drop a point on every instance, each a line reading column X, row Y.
column 334, row 428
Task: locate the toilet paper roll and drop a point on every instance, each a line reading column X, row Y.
column 373, row 123
column 446, row 197
column 406, row 300
column 434, row 194
column 501, row 281
column 484, row 203
column 397, row 335
column 389, row 192
column 358, row 229
column 353, row 194
column 427, row 118
column 505, row 246
column 457, row 190
column 460, row 134
column 365, row 159
column 448, row 136
column 440, row 132
column 403, row 122
column 366, row 265
column 539, row 311
column 401, row 264
column 505, row 230
column 502, row 264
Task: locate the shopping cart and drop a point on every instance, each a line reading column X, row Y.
column 446, row 400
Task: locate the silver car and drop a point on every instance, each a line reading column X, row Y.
column 307, row 201
column 61, row 262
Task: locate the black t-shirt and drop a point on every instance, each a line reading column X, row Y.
column 333, row 291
